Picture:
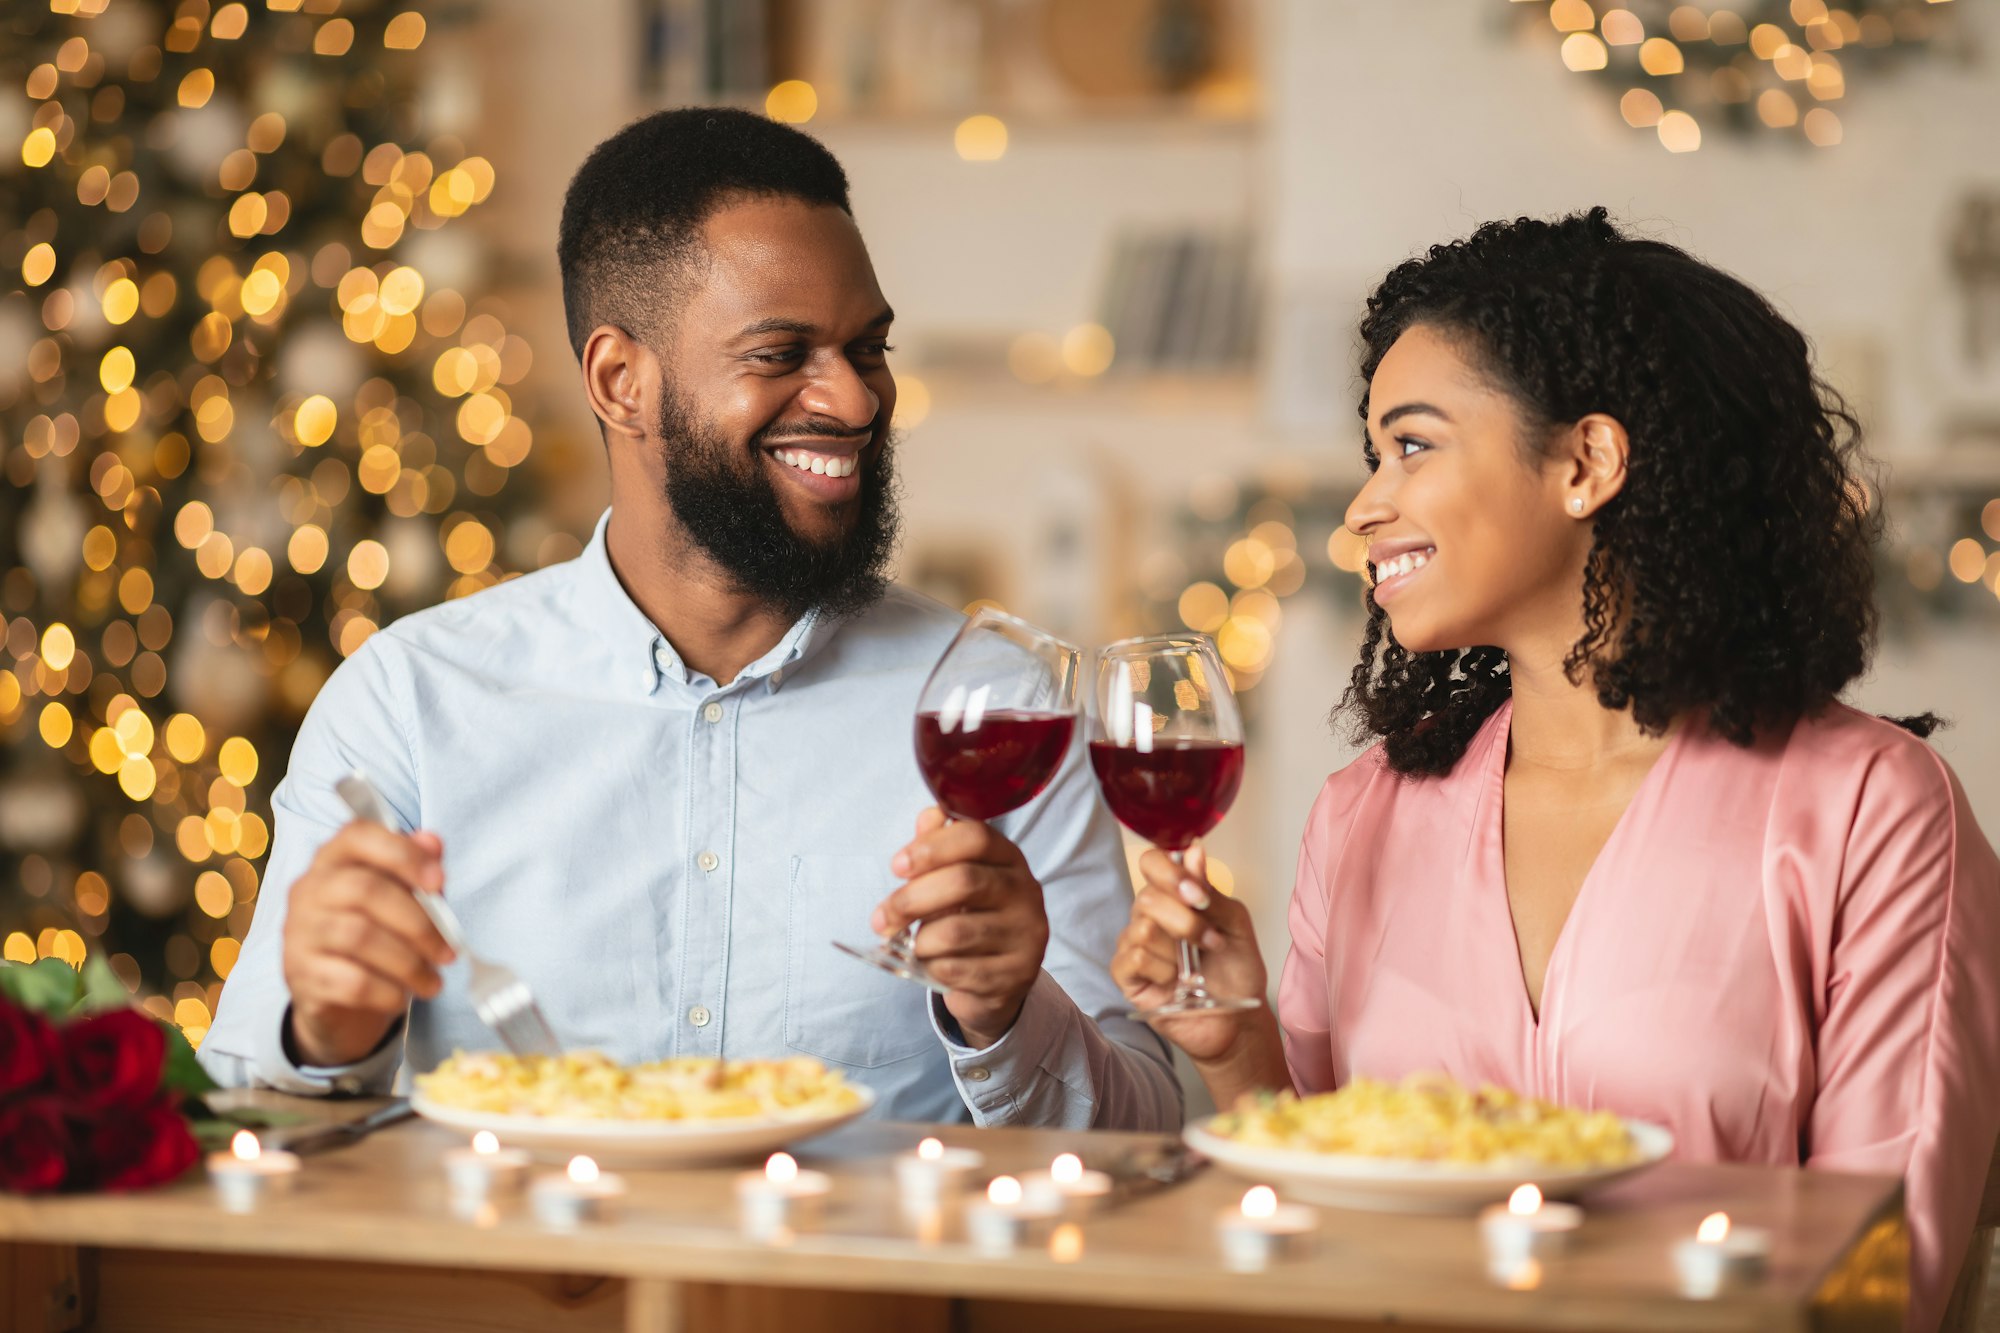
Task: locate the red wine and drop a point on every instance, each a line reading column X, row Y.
column 1169, row 796
column 1000, row 765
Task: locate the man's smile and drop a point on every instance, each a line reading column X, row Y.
column 826, row 469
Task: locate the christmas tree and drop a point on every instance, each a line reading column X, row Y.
column 250, row 411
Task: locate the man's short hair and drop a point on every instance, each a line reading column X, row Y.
column 632, row 219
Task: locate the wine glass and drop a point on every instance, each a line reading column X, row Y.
column 994, row 721
column 1167, row 747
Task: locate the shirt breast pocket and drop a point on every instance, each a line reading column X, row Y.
column 836, row 1007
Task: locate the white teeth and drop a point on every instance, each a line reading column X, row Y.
column 1408, row 563
column 823, row 465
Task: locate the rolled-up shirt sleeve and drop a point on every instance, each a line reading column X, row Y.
column 353, row 725
column 1074, row 1058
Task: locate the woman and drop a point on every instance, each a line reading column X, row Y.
column 1619, row 845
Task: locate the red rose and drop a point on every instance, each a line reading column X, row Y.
column 26, row 1048
column 109, row 1059
column 34, row 1145
column 132, row 1148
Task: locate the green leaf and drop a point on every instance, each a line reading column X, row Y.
column 49, row 986
column 101, row 987
column 214, row 1129
column 184, row 1073
column 212, row 1135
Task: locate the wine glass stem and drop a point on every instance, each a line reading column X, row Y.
column 906, row 943
column 1190, row 982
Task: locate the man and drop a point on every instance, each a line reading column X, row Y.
column 660, row 780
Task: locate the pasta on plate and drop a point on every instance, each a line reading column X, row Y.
column 1429, row 1118
column 584, row 1085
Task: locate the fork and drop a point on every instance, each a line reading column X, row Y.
column 502, row 1000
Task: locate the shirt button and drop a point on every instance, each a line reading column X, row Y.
column 699, row 1016
column 977, row 1074
column 712, row 713
column 708, row 861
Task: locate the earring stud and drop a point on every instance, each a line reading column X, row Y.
column 1576, row 504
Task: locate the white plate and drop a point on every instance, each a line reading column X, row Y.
column 644, row 1143
column 1393, row 1185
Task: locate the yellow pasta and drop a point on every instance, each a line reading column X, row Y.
column 584, row 1085
column 1429, row 1118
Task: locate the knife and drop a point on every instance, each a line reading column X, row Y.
column 1174, row 1163
column 352, row 1131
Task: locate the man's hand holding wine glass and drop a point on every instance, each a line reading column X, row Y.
column 985, row 928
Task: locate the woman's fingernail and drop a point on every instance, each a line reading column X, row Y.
column 878, row 923
column 1212, row 939
column 900, row 864
column 1193, row 895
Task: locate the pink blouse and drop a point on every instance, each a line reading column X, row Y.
column 1786, row 954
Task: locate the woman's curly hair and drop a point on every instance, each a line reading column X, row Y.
column 1732, row 573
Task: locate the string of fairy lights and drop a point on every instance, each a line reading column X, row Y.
column 1770, row 66
column 256, row 415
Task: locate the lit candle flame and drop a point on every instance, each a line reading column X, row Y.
column 1714, row 1229
column 781, row 1169
column 1525, row 1201
column 1004, row 1191
column 245, row 1146
column 1261, row 1201
column 583, row 1170
column 1526, row 1276
column 1066, row 1169
column 930, row 1150
column 486, row 1143
column 1066, row 1243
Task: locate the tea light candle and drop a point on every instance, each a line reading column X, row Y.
column 780, row 1198
column 580, row 1194
column 1525, row 1229
column 999, row 1224
column 1068, row 1187
column 1721, row 1256
column 1262, row 1231
column 246, row 1173
column 934, row 1175
column 484, row 1171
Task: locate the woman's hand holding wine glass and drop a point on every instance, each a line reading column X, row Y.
column 1177, row 904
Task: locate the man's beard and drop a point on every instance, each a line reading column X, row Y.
column 740, row 523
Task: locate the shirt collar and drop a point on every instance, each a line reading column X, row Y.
column 642, row 654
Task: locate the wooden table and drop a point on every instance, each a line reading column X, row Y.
column 368, row 1241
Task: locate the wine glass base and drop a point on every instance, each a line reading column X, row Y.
column 1197, row 1003
column 896, row 962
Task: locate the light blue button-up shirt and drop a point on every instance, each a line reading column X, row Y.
column 667, row 860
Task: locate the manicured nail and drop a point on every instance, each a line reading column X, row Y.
column 1194, row 895
column 878, row 923
column 1212, row 939
column 900, row 864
